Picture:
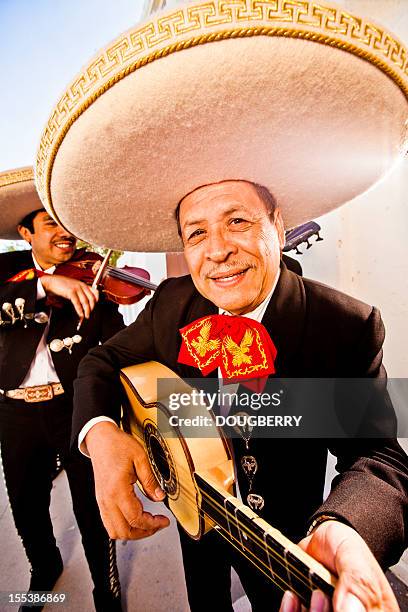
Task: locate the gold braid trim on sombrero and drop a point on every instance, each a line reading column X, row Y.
column 12, row 177
column 144, row 44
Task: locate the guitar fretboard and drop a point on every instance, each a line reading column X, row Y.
column 268, row 549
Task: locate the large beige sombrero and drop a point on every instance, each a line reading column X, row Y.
column 300, row 96
column 18, row 197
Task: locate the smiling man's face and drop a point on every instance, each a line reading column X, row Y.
column 232, row 244
column 51, row 244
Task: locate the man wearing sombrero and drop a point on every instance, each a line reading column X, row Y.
column 225, row 108
column 40, row 348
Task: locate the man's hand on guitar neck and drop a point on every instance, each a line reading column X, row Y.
column 118, row 461
column 362, row 585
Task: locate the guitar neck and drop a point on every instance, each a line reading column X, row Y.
column 281, row 561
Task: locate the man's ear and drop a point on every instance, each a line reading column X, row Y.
column 24, row 233
column 280, row 228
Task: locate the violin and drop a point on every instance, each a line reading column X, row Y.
column 125, row 285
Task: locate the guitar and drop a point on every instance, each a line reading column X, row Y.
column 198, row 476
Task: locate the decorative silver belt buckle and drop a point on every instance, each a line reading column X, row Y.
column 38, row 394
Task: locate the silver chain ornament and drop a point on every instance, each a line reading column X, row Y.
column 249, row 466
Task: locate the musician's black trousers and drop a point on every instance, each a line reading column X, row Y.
column 207, row 568
column 31, row 437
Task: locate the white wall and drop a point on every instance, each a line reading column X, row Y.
column 365, row 254
column 155, row 263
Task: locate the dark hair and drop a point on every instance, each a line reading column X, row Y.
column 263, row 193
column 28, row 219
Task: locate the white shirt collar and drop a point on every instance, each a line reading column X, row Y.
column 258, row 312
column 37, row 266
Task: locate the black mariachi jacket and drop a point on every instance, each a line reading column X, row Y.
column 18, row 344
column 319, row 333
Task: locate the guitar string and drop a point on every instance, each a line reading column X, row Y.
column 267, row 548
column 297, row 572
column 253, row 536
column 243, row 552
column 268, row 574
column 129, row 276
column 287, row 586
column 191, row 500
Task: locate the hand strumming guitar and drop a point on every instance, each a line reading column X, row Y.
column 118, row 461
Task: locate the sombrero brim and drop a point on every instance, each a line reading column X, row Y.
column 310, row 103
column 18, row 197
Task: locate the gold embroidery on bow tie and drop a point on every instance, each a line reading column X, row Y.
column 202, row 344
column 246, row 351
column 192, row 349
column 239, row 353
column 258, row 354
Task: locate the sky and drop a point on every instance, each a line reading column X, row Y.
column 43, row 44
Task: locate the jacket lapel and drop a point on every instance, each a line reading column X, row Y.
column 285, row 319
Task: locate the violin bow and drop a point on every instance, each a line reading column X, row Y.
column 101, row 269
column 98, row 276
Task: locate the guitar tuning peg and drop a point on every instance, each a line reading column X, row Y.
column 308, row 244
column 319, row 238
column 297, row 251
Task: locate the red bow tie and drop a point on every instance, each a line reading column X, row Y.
column 240, row 347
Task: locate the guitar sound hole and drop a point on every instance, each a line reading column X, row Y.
column 159, row 458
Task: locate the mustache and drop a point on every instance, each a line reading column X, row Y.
column 227, row 267
column 69, row 239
